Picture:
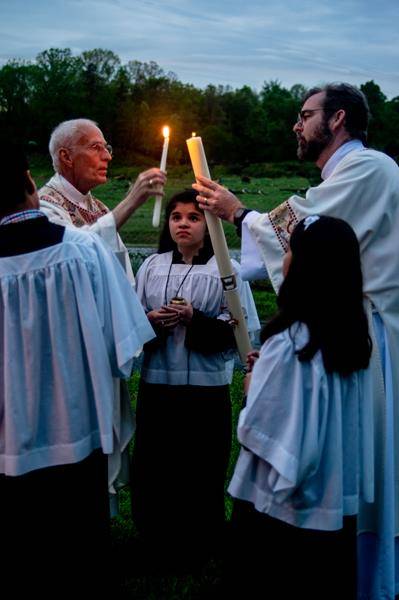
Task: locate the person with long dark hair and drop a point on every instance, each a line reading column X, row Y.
column 183, row 433
column 306, row 431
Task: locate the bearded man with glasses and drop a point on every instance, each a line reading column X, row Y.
column 80, row 158
column 361, row 186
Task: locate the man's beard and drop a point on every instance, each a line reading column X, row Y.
column 311, row 149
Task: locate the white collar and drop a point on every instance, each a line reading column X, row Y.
column 339, row 155
column 82, row 200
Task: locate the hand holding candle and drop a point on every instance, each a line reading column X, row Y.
column 158, row 199
column 227, row 276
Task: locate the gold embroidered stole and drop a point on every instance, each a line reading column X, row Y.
column 79, row 216
column 283, row 219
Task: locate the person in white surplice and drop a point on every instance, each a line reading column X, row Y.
column 361, row 186
column 307, row 427
column 70, row 322
column 80, row 158
column 183, row 436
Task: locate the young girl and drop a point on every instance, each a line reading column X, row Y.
column 306, row 432
column 183, row 431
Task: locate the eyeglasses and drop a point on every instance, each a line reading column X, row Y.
column 99, row 148
column 306, row 113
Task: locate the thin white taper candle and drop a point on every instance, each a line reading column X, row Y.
column 216, row 232
column 156, row 215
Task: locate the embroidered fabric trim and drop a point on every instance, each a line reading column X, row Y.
column 87, row 215
column 283, row 220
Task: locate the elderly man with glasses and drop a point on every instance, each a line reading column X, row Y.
column 80, row 158
column 361, row 186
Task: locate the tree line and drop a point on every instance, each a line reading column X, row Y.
column 132, row 101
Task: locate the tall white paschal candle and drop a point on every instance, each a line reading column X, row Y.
column 227, row 276
column 156, row 216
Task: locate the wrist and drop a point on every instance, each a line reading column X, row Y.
column 131, row 201
column 236, row 207
column 124, row 210
column 239, row 215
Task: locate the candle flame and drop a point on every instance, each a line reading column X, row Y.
column 165, row 132
column 193, row 134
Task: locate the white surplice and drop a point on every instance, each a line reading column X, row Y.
column 57, row 198
column 307, row 434
column 56, row 387
column 173, row 363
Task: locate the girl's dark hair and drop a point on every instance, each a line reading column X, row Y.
column 166, row 244
column 324, row 289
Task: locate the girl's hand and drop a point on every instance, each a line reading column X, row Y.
column 185, row 312
column 252, row 357
column 165, row 317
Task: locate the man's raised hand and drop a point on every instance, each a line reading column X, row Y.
column 216, row 199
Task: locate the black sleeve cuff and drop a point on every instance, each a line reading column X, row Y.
column 238, row 221
column 158, row 341
column 209, row 335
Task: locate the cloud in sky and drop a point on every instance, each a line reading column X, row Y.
column 226, row 42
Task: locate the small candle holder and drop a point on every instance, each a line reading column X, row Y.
column 178, row 300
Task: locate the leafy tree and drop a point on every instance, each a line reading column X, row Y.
column 246, row 120
column 391, row 142
column 57, row 95
column 378, row 126
column 17, row 86
column 298, row 91
column 280, row 109
column 103, row 65
column 98, row 71
column 132, row 101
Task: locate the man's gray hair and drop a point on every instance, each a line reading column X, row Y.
column 65, row 135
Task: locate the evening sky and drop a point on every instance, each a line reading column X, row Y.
column 227, row 42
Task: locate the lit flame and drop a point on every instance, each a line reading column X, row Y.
column 165, row 131
column 193, row 134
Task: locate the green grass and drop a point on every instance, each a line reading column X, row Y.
column 265, row 299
